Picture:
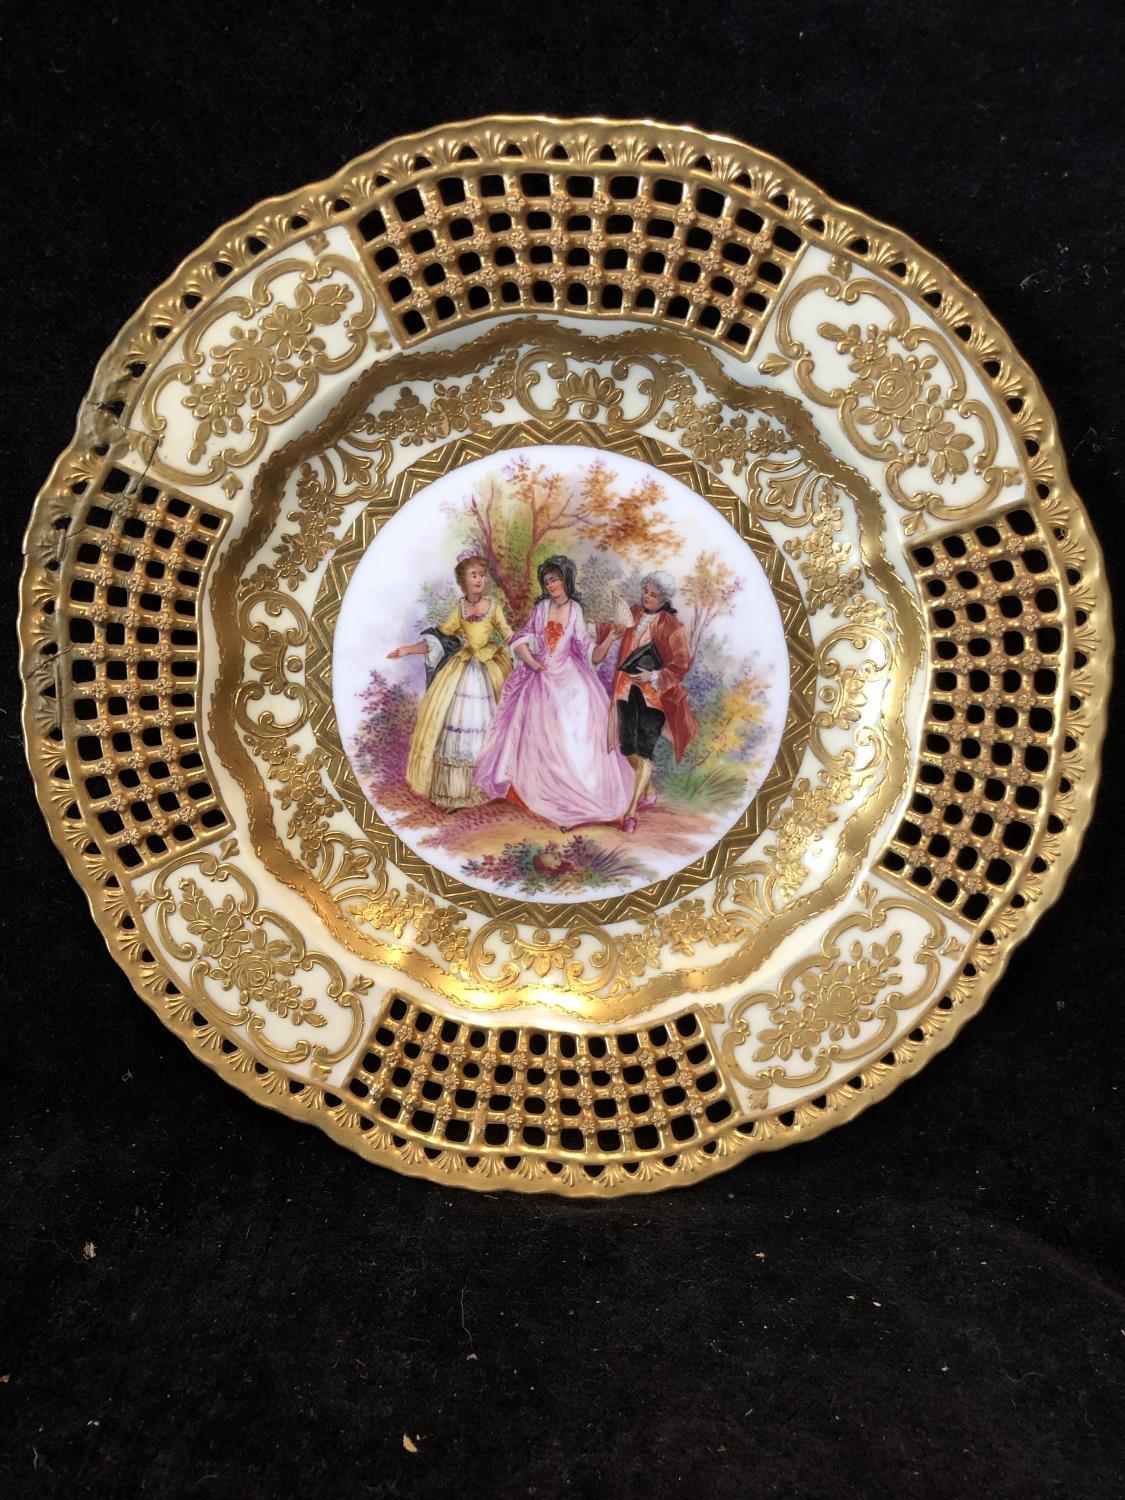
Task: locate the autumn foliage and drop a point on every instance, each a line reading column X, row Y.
column 530, row 511
column 708, row 590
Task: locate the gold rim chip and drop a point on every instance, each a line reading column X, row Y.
column 564, row 656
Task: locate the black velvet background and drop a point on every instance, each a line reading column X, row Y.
column 920, row 1304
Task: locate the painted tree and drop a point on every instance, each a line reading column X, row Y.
column 382, row 741
column 708, row 590
column 512, row 520
column 739, row 722
column 630, row 523
column 517, row 520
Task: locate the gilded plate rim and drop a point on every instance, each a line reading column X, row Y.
column 285, row 218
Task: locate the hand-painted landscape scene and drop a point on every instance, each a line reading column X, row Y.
column 559, row 674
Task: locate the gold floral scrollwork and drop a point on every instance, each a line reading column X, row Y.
column 595, row 395
column 759, row 891
column 845, row 1003
column 540, row 953
column 844, row 691
column 825, row 563
column 246, row 962
column 786, row 489
column 451, row 409
column 710, row 436
column 351, row 468
column 681, row 929
column 273, row 663
column 393, row 912
column 302, row 549
column 907, row 405
column 264, row 370
column 351, row 870
column 755, row 893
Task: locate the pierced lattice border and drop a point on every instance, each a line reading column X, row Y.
column 617, row 1093
column 469, row 240
column 998, row 686
column 132, row 565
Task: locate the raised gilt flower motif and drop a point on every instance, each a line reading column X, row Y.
column 835, row 1002
column 542, row 953
column 288, row 328
column 926, row 431
column 895, row 385
column 251, row 369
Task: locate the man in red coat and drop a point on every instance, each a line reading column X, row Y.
column 648, row 695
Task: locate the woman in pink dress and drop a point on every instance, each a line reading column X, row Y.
column 546, row 745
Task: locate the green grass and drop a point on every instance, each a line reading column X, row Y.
column 703, row 786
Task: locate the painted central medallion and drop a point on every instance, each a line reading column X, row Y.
column 559, row 674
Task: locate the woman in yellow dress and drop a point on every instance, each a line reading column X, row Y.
column 466, row 664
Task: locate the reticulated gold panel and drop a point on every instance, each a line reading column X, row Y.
column 990, row 743
column 485, row 1090
column 130, row 569
column 610, row 237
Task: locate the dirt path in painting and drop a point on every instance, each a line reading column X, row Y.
column 478, row 830
column 663, row 830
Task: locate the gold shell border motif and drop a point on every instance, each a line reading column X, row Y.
column 709, row 164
